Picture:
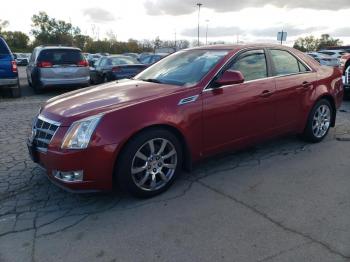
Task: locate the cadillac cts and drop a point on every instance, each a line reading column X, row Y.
column 140, row 133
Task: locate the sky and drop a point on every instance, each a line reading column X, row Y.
column 227, row 20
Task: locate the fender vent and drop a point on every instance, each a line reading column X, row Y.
column 188, row 100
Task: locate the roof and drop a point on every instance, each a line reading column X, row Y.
column 57, row 47
column 237, row 46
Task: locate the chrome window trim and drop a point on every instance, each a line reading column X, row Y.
column 256, row 80
column 206, row 89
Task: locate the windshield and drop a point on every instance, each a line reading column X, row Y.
column 184, row 68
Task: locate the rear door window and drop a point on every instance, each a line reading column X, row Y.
column 285, row 63
column 61, row 56
column 3, row 48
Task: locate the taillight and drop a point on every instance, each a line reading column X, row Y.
column 116, row 69
column 45, row 64
column 14, row 66
column 83, row 63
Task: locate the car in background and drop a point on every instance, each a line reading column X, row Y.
column 133, row 55
column 8, row 70
column 153, row 58
column 114, row 67
column 144, row 54
column 333, row 53
column 139, row 134
column 345, row 67
column 22, row 59
column 323, row 59
column 57, row 66
column 92, row 58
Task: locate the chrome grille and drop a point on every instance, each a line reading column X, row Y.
column 347, row 76
column 43, row 130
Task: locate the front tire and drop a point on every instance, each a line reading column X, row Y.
column 150, row 163
column 319, row 121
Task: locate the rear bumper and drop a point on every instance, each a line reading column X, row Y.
column 65, row 82
column 8, row 81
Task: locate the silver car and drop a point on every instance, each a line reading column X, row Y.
column 57, row 66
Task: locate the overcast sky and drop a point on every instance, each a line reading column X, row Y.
column 229, row 20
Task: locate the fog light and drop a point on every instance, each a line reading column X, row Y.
column 68, row 176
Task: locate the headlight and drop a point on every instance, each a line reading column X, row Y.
column 79, row 134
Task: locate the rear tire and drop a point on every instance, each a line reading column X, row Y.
column 16, row 91
column 319, row 122
column 37, row 88
column 144, row 170
column 105, row 79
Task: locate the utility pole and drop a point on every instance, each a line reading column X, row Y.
column 206, row 33
column 282, row 37
column 199, row 11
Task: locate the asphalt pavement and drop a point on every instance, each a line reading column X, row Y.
column 284, row 200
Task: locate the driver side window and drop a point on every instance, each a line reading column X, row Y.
column 252, row 64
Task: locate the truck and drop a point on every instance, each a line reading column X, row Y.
column 8, row 70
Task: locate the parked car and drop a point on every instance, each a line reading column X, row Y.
column 57, row 66
column 22, row 59
column 144, row 54
column 133, row 55
column 92, row 58
column 323, row 59
column 195, row 103
column 333, row 53
column 8, row 70
column 115, row 67
column 345, row 67
column 153, row 58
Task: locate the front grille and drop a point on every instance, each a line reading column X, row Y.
column 44, row 130
column 347, row 76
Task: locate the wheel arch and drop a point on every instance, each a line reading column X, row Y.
column 331, row 100
column 187, row 157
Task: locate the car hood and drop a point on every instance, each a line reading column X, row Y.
column 79, row 104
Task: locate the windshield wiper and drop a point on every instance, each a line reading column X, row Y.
column 152, row 80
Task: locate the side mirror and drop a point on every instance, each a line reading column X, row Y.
column 230, row 77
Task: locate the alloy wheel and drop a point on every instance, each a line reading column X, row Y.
column 154, row 164
column 321, row 121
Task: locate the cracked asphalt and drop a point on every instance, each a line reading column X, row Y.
column 284, row 200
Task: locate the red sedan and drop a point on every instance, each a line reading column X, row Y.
column 141, row 133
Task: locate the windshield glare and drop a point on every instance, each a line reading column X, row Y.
column 184, row 68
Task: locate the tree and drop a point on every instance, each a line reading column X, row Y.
column 307, row 44
column 48, row 30
column 82, row 41
column 3, row 25
column 310, row 43
column 326, row 41
column 182, row 44
column 18, row 41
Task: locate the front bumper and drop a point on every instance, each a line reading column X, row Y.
column 96, row 162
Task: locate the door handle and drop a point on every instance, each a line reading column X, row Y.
column 306, row 84
column 266, row 94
